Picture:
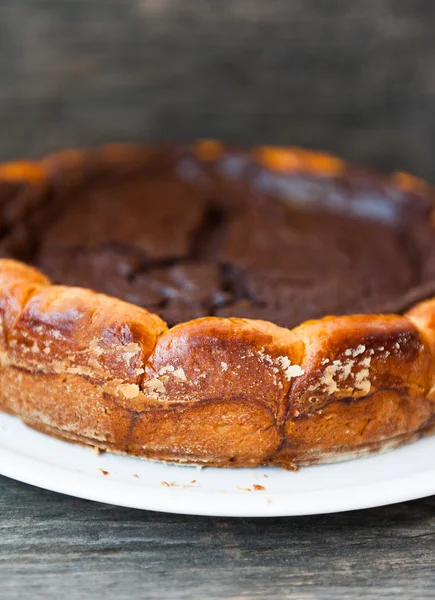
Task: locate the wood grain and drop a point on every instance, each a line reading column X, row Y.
column 352, row 77
column 53, row 546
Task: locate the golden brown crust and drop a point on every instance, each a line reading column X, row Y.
column 228, row 392
column 366, row 382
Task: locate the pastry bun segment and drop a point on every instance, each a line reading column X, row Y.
column 89, row 368
column 364, row 388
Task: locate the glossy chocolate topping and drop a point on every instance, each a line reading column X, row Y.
column 188, row 238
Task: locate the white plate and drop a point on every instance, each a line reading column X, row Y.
column 29, row 456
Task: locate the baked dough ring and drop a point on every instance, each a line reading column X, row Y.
column 228, row 392
column 89, row 368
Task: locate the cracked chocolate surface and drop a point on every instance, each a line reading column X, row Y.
column 189, row 239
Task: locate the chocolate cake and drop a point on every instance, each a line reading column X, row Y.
column 231, row 249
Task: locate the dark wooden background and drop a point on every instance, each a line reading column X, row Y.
column 353, row 76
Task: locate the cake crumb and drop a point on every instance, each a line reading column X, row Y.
column 328, row 380
column 265, row 358
column 362, row 381
column 284, row 361
column 180, row 374
column 166, row 369
column 345, row 369
column 129, row 351
column 155, row 388
column 241, row 489
column 290, row 371
column 259, row 488
column 136, row 475
column 355, row 351
column 269, row 500
column 103, row 471
column 170, row 369
column 129, row 390
column 366, row 361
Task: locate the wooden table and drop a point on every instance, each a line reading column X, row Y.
column 354, row 77
column 55, row 547
column 349, row 76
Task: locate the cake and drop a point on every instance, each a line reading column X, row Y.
column 215, row 306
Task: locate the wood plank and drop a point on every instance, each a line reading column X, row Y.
column 53, row 546
column 352, row 77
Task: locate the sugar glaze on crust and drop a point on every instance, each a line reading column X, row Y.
column 229, row 392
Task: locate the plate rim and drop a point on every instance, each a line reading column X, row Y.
column 193, row 501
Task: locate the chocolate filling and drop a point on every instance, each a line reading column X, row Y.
column 187, row 239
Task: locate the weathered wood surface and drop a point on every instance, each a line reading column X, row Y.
column 353, row 77
column 52, row 547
